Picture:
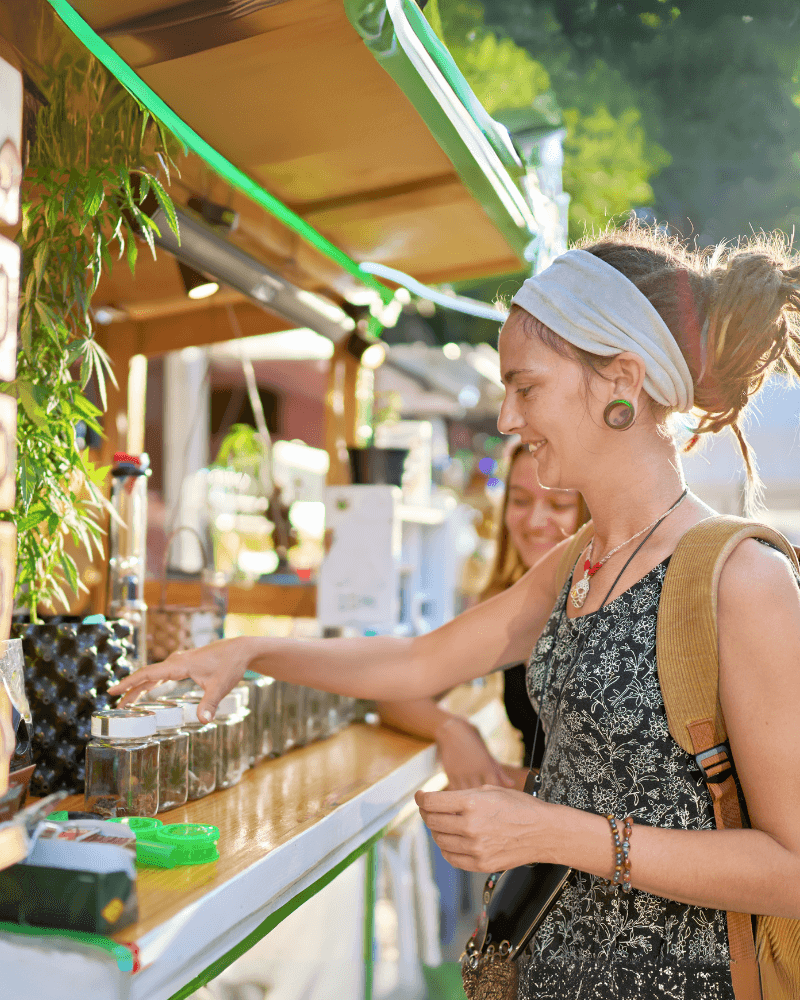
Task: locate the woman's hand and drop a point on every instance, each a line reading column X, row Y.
column 216, row 668
column 488, row 829
column 466, row 758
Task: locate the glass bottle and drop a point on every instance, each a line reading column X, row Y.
column 203, row 737
column 122, row 764
column 127, row 547
column 173, row 767
column 230, row 726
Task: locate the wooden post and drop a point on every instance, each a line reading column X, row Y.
column 341, row 414
column 123, row 426
column 11, row 163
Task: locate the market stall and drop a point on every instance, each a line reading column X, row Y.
column 318, row 146
column 286, row 830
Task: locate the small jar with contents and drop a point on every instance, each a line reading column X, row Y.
column 173, row 767
column 262, row 708
column 316, row 715
column 122, row 761
column 230, row 725
column 277, row 719
column 202, row 750
column 335, row 713
column 292, row 722
column 246, row 697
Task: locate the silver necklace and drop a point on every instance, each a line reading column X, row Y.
column 580, row 590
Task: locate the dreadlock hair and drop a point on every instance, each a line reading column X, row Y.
column 733, row 311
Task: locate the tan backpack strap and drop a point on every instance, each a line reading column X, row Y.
column 686, row 637
column 688, row 672
column 572, row 550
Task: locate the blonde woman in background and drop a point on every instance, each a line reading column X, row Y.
column 532, row 520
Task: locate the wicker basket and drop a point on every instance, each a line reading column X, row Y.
column 175, row 627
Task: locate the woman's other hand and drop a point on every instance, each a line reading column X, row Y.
column 466, row 758
column 487, row 829
column 216, row 668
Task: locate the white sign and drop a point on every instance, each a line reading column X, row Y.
column 359, row 579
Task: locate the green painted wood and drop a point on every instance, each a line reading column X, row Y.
column 370, row 893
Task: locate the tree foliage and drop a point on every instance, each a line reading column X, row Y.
column 91, row 166
column 609, row 158
column 715, row 84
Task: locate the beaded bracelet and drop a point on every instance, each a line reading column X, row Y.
column 622, row 864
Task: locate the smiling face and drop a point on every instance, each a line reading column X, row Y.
column 537, row 518
column 548, row 405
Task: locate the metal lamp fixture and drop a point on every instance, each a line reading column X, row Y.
column 203, row 248
column 197, row 285
column 369, row 351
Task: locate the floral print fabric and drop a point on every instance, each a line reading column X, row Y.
column 609, row 750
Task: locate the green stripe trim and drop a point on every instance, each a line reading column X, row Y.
column 371, row 20
column 121, row 954
column 280, row 915
column 370, row 893
column 230, row 172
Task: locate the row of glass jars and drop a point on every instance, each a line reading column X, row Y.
column 155, row 756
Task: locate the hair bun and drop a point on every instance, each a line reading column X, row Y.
column 733, row 311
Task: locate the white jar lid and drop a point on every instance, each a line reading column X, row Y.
column 169, row 714
column 230, row 705
column 189, row 709
column 127, row 723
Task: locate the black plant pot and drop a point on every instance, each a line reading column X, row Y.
column 377, row 465
column 68, row 670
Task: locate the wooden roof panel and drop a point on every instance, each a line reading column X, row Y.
column 293, row 96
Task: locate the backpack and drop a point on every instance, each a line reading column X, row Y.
column 688, row 672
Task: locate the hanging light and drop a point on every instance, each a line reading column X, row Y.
column 197, row 285
column 369, row 351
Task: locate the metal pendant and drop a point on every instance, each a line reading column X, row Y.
column 580, row 592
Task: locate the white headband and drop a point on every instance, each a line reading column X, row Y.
column 595, row 307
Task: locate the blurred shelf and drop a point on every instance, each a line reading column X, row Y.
column 297, row 600
column 422, row 515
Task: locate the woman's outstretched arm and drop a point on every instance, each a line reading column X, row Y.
column 498, row 631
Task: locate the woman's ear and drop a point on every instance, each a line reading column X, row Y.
column 625, row 377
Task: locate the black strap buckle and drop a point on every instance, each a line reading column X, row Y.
column 726, row 764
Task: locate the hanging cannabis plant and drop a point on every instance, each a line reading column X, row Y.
column 92, row 163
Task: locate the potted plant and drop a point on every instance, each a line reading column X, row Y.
column 95, row 156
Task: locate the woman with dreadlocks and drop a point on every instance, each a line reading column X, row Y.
column 596, row 354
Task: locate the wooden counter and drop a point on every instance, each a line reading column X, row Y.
column 288, row 823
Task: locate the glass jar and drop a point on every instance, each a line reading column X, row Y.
column 230, row 725
column 122, row 764
column 262, row 708
column 336, row 713
column 173, row 766
column 277, row 719
column 293, row 728
column 315, row 713
column 202, row 750
column 243, row 692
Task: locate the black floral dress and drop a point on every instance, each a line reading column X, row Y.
column 609, row 750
